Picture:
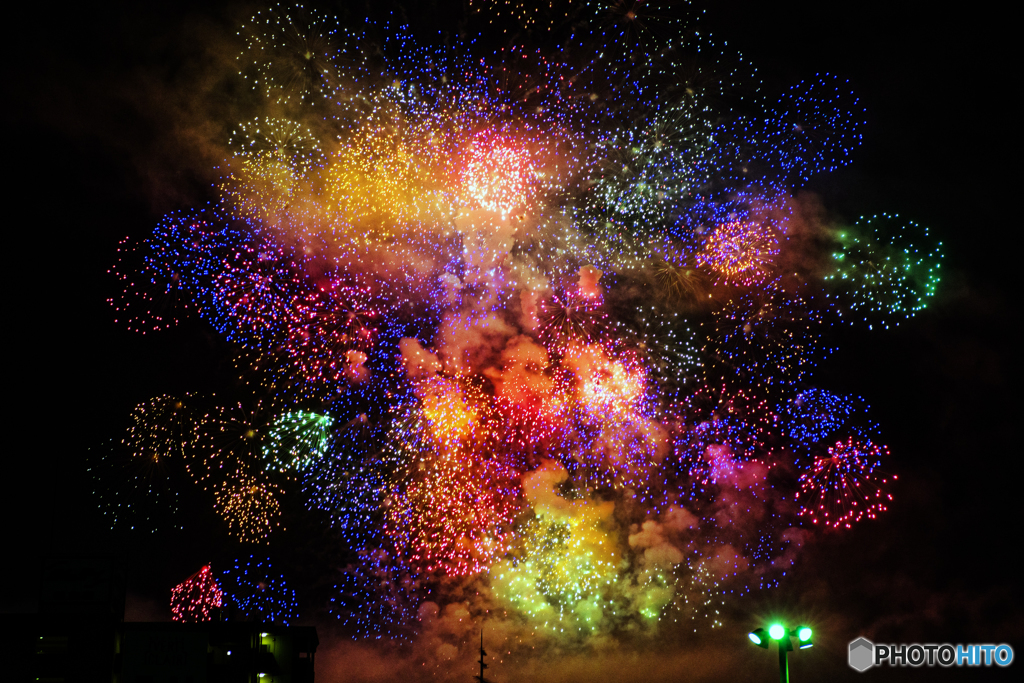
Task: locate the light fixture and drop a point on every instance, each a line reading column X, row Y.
column 783, row 640
column 758, row 637
column 803, row 635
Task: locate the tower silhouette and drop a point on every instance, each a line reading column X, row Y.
column 483, row 653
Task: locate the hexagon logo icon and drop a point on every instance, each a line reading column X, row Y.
column 862, row 654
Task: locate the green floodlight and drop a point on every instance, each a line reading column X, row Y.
column 803, row 634
column 783, row 638
column 758, row 637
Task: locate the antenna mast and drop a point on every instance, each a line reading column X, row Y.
column 483, row 653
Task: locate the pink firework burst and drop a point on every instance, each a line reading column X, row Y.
column 846, row 485
column 195, row 598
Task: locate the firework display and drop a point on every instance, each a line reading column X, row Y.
column 741, row 252
column 378, row 597
column 845, row 486
column 249, row 506
column 885, row 268
column 136, row 494
column 296, row 439
column 522, row 324
column 254, row 592
column 816, row 416
column 196, row 598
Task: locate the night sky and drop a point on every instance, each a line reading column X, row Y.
column 91, row 160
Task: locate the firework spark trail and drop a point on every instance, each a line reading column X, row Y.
column 466, row 292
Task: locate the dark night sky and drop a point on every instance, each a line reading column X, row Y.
column 83, row 172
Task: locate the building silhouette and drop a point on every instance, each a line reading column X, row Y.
column 79, row 636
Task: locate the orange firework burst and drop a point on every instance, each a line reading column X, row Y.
column 391, row 172
column 249, row 506
column 739, row 251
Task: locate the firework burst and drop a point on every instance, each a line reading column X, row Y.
column 845, row 486
column 249, row 506
column 886, row 268
column 253, row 591
column 197, row 597
column 740, row 252
column 463, row 293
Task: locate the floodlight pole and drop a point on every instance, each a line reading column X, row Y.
column 783, row 641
